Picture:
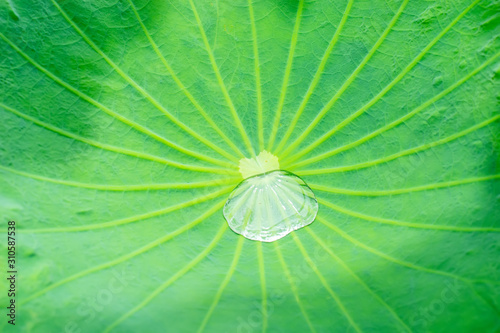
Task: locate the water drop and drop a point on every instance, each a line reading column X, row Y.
column 268, row 206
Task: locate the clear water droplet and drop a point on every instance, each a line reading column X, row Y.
column 269, row 206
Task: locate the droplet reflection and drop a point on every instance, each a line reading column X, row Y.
column 269, row 206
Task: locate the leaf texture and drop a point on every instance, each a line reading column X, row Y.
column 123, row 123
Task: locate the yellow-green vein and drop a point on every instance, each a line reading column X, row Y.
column 295, row 292
column 258, row 88
column 113, row 187
column 399, row 261
column 376, row 193
column 315, row 80
column 358, row 279
column 387, row 127
column 262, row 275
column 132, row 219
column 120, row 150
column 405, row 224
column 216, row 24
column 183, row 88
column 230, row 272
column 111, row 113
column 174, row 278
column 325, row 283
column 142, row 91
column 221, row 83
column 401, row 153
column 288, row 70
column 128, row 256
column 382, row 93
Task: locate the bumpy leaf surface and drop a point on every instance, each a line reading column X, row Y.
column 123, row 123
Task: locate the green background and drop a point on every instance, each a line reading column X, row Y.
column 122, row 124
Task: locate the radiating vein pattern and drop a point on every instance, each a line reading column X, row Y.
column 153, row 101
column 184, row 89
column 122, row 125
column 383, row 92
column 116, row 149
column 128, row 256
column 392, row 124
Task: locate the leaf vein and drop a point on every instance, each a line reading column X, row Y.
column 108, row 111
column 119, row 150
column 223, row 285
column 184, row 89
column 128, row 256
column 402, row 190
column 221, row 83
column 402, row 153
column 384, row 91
column 358, row 279
column 292, row 286
column 315, row 81
column 143, row 92
column 325, row 283
column 286, row 77
column 399, row 261
column 131, row 219
column 389, row 126
column 170, row 281
column 405, row 224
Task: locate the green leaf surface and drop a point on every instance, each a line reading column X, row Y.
column 123, row 122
